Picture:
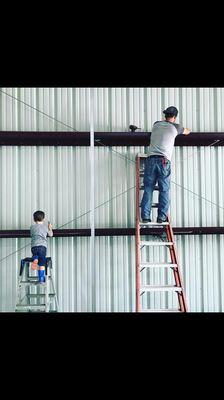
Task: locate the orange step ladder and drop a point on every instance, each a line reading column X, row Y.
column 159, row 230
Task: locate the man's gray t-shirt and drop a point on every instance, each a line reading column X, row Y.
column 38, row 233
column 162, row 138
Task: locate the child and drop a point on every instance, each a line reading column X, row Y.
column 39, row 232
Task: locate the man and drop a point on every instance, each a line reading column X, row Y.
column 158, row 164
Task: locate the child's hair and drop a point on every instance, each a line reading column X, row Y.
column 38, row 216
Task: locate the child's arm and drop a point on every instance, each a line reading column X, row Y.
column 50, row 231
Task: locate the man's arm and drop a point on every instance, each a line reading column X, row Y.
column 181, row 130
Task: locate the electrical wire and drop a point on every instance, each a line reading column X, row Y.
column 113, row 151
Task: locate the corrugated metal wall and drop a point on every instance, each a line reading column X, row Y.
column 56, row 179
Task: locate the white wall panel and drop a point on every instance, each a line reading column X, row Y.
column 57, row 180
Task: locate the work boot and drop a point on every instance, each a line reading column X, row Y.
column 160, row 220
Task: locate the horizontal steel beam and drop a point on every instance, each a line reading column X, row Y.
column 15, row 138
column 116, row 232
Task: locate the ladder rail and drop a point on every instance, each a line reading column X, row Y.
column 46, row 289
column 176, row 270
column 54, row 291
column 18, row 296
column 137, row 237
column 27, row 288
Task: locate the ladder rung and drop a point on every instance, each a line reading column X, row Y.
column 142, row 155
column 36, row 310
column 154, row 205
column 161, row 310
column 32, row 277
column 154, row 265
column 32, row 283
column 144, row 243
column 142, row 187
column 30, row 306
column 40, row 294
column 167, row 288
column 153, row 223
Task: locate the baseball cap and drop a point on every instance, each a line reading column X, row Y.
column 171, row 110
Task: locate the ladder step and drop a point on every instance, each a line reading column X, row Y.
column 154, row 288
column 28, row 310
column 142, row 155
column 142, row 187
column 161, row 310
column 153, row 223
column 144, row 243
column 28, row 283
column 30, row 306
column 40, row 294
column 154, row 265
column 34, row 278
column 154, row 205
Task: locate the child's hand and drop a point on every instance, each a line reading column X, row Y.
column 50, row 225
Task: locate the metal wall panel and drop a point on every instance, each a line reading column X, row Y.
column 56, row 179
column 111, row 286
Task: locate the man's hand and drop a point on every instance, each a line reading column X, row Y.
column 186, row 131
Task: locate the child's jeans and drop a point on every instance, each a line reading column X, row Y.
column 39, row 253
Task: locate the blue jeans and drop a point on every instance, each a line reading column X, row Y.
column 39, row 253
column 157, row 169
